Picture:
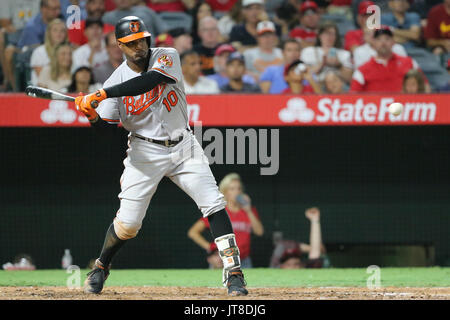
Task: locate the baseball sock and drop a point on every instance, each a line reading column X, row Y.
column 220, row 224
column 111, row 245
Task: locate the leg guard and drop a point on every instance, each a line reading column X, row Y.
column 229, row 252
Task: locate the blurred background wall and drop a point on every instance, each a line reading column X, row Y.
column 377, row 187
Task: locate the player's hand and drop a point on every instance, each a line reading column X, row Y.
column 91, row 100
column 313, row 214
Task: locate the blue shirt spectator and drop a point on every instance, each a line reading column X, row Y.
column 274, row 74
column 34, row 32
column 223, row 80
column 411, row 23
column 66, row 3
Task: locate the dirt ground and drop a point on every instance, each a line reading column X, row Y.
column 182, row 293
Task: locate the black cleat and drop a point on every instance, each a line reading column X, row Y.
column 96, row 278
column 236, row 283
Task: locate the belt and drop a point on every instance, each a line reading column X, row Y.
column 167, row 143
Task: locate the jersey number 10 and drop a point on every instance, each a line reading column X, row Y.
column 171, row 100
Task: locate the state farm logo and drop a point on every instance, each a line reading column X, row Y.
column 334, row 111
column 296, row 110
column 60, row 111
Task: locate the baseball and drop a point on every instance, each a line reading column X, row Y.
column 396, row 108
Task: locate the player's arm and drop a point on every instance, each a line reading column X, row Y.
column 132, row 87
column 138, row 85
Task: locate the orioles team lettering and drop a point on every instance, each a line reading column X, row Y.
column 135, row 106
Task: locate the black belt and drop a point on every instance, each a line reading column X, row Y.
column 167, row 143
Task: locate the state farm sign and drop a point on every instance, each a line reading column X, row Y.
column 333, row 110
column 253, row 110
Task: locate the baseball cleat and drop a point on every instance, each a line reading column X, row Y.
column 236, row 283
column 96, row 278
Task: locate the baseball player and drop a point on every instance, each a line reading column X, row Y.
column 146, row 94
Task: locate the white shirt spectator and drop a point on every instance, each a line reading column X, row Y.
column 314, row 55
column 39, row 58
column 203, row 86
column 81, row 56
column 363, row 53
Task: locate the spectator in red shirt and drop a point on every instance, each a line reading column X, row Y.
column 244, row 219
column 95, row 10
column 221, row 5
column 300, row 79
column 306, row 32
column 170, row 5
column 355, row 38
column 385, row 72
column 437, row 31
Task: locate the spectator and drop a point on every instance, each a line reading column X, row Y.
column 235, row 70
column 115, row 59
column 170, row 5
column 83, row 81
column 326, row 55
column 194, row 82
column 152, row 21
column 55, row 34
column 65, row 4
column 164, row 40
column 32, row 36
column 110, row 5
column 94, row 10
column 404, row 25
column 243, row 35
column 244, row 219
column 182, row 40
column 57, row 76
column 93, row 53
column 272, row 79
column 355, row 38
column 230, row 19
column 334, row 84
column 300, row 79
column 341, row 8
column 14, row 15
column 385, row 72
column 34, row 31
column 200, row 11
column 286, row 15
column 287, row 253
column 363, row 53
column 209, row 41
column 220, row 63
column 413, row 82
column 446, row 87
column 266, row 53
column 222, row 6
column 306, row 32
column 437, row 31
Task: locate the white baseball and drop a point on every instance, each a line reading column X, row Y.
column 396, row 108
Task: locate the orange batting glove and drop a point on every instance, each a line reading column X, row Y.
column 87, row 104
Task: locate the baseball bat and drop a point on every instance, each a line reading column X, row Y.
column 43, row 93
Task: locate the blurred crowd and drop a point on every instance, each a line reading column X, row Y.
column 235, row 46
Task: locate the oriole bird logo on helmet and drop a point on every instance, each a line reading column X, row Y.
column 131, row 28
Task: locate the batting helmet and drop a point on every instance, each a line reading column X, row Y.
column 131, row 28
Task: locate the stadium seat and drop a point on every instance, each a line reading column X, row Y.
column 177, row 20
column 344, row 25
column 430, row 65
